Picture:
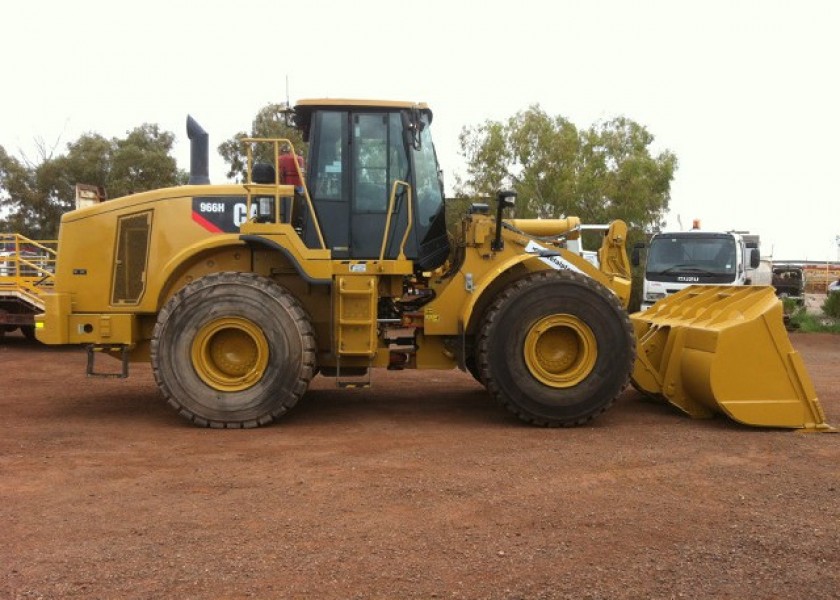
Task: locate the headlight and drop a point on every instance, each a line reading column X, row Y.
column 654, row 296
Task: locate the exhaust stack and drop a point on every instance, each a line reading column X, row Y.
column 199, row 153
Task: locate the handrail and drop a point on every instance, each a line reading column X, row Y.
column 391, row 201
column 26, row 266
column 249, row 184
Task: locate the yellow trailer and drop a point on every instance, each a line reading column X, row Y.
column 27, row 271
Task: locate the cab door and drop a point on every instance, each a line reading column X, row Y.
column 379, row 159
column 355, row 158
column 328, row 182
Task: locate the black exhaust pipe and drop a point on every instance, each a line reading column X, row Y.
column 199, row 153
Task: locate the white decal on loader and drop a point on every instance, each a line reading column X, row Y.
column 213, row 207
column 239, row 212
column 555, row 262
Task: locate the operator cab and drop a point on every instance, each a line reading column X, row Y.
column 364, row 158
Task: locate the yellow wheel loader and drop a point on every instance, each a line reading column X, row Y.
column 240, row 294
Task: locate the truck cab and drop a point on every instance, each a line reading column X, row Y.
column 676, row 260
column 789, row 281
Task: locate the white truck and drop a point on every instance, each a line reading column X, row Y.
column 678, row 259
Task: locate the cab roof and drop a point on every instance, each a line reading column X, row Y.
column 305, row 108
column 311, row 103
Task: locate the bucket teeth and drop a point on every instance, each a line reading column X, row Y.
column 724, row 349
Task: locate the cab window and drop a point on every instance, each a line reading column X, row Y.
column 380, row 159
column 327, row 163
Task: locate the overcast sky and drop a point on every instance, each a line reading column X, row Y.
column 745, row 93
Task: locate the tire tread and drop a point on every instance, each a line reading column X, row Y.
column 264, row 285
column 491, row 318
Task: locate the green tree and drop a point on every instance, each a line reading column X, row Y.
column 29, row 197
column 604, row 172
column 142, row 161
column 33, row 196
column 601, row 173
column 270, row 122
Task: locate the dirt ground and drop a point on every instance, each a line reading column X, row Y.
column 417, row 488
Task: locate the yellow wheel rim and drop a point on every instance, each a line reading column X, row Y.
column 560, row 350
column 230, row 354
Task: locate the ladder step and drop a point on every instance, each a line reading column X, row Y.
column 353, row 379
column 90, row 371
column 355, row 315
column 353, row 385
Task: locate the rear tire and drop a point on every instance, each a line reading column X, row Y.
column 556, row 348
column 233, row 350
column 4, row 329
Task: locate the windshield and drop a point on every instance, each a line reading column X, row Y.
column 427, row 177
column 695, row 255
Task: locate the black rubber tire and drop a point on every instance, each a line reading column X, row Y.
column 4, row 329
column 273, row 310
column 471, row 363
column 28, row 332
column 501, row 348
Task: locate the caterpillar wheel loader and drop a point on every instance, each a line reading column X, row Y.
column 239, row 294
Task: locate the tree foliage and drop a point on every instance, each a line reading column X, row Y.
column 270, row 122
column 831, row 306
column 34, row 195
column 601, row 173
column 142, row 161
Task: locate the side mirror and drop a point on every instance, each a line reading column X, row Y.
column 504, row 198
column 636, row 256
column 755, row 258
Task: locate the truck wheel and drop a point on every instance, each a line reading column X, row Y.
column 556, row 348
column 233, row 350
column 4, row 329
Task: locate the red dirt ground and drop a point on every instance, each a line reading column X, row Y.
column 418, row 488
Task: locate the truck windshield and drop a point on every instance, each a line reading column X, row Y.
column 695, row 255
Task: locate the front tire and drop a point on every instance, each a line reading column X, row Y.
column 233, row 350
column 556, row 348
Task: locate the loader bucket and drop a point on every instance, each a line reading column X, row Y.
column 724, row 349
